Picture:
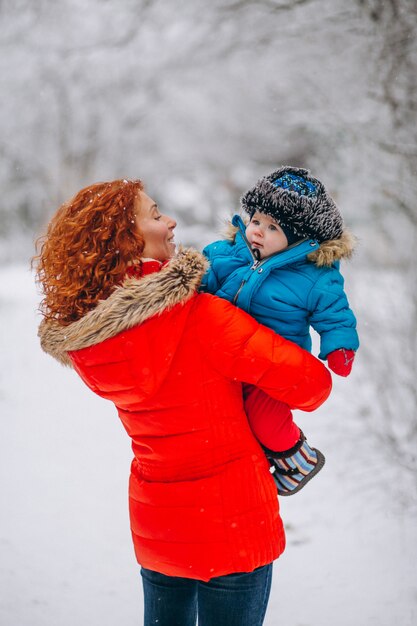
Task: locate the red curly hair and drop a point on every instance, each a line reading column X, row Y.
column 87, row 248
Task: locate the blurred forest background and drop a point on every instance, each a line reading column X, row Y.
column 199, row 99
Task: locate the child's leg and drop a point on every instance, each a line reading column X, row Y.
column 293, row 462
column 270, row 420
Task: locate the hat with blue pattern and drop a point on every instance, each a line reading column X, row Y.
column 298, row 202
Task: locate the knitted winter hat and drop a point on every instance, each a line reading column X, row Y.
column 291, row 236
column 299, row 203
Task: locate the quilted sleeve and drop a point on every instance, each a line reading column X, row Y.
column 242, row 349
column 210, row 282
column 331, row 315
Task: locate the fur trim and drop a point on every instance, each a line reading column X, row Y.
column 334, row 250
column 229, row 232
column 129, row 305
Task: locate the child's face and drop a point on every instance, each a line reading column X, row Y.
column 265, row 234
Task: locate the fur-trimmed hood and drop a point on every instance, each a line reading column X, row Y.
column 135, row 301
column 324, row 256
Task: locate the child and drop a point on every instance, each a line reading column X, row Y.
column 283, row 268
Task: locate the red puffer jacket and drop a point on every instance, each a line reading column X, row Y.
column 202, row 500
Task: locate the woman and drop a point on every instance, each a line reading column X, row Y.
column 122, row 310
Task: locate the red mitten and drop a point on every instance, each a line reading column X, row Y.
column 341, row 361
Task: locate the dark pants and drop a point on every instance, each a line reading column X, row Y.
column 233, row 600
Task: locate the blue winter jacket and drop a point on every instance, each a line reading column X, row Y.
column 286, row 291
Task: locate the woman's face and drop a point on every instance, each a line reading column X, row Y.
column 157, row 229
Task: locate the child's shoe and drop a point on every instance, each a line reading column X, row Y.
column 292, row 469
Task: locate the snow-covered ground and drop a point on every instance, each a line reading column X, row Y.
column 66, row 554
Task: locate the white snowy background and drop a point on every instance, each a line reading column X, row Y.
column 199, row 100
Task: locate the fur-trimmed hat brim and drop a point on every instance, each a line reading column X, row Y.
column 308, row 216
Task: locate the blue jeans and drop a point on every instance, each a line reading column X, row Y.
column 232, row 600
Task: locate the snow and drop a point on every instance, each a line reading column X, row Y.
column 109, row 89
column 66, row 552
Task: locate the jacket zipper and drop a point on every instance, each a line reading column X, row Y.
column 256, row 263
column 238, row 291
